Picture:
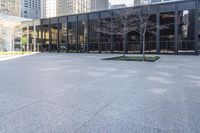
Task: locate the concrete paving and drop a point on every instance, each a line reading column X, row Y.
column 67, row 93
column 14, row 56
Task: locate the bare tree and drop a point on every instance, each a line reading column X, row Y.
column 127, row 20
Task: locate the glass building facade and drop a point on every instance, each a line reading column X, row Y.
column 11, row 32
column 177, row 31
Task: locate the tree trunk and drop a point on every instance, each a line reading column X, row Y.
column 143, row 48
column 124, row 45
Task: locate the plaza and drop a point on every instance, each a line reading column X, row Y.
column 66, row 93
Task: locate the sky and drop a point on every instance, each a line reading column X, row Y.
column 127, row 2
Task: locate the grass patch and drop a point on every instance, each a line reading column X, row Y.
column 14, row 53
column 135, row 58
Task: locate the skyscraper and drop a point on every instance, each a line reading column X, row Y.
column 48, row 8
column 66, row 7
column 21, row 8
column 10, row 7
column 31, row 9
column 140, row 2
column 97, row 5
column 118, row 6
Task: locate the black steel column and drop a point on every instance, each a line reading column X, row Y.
column 77, row 39
column 112, row 32
column 42, row 40
column 67, row 44
column 158, row 32
column 99, row 36
column 141, row 38
column 87, row 39
column 176, row 29
column 45, row 38
column 50, row 36
column 37, row 40
column 58, row 38
column 197, row 28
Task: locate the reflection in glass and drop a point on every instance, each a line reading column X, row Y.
column 31, row 37
column 38, row 38
column 72, row 37
column 45, row 34
column 133, row 42
column 63, row 36
column 93, row 36
column 53, row 38
column 117, row 39
column 10, row 32
column 105, row 36
column 82, row 36
column 150, row 36
column 167, row 44
column 186, row 33
column 24, row 39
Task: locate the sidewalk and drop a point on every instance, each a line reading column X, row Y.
column 10, row 57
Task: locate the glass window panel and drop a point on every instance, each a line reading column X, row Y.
column 93, row 35
column 72, row 37
column 11, row 32
column 82, row 36
column 186, row 24
column 45, row 44
column 31, row 38
column 167, row 30
column 150, row 36
column 117, row 39
column 53, row 37
column 105, row 35
column 63, row 36
column 38, row 38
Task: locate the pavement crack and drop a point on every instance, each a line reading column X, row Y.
column 25, row 106
column 98, row 112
